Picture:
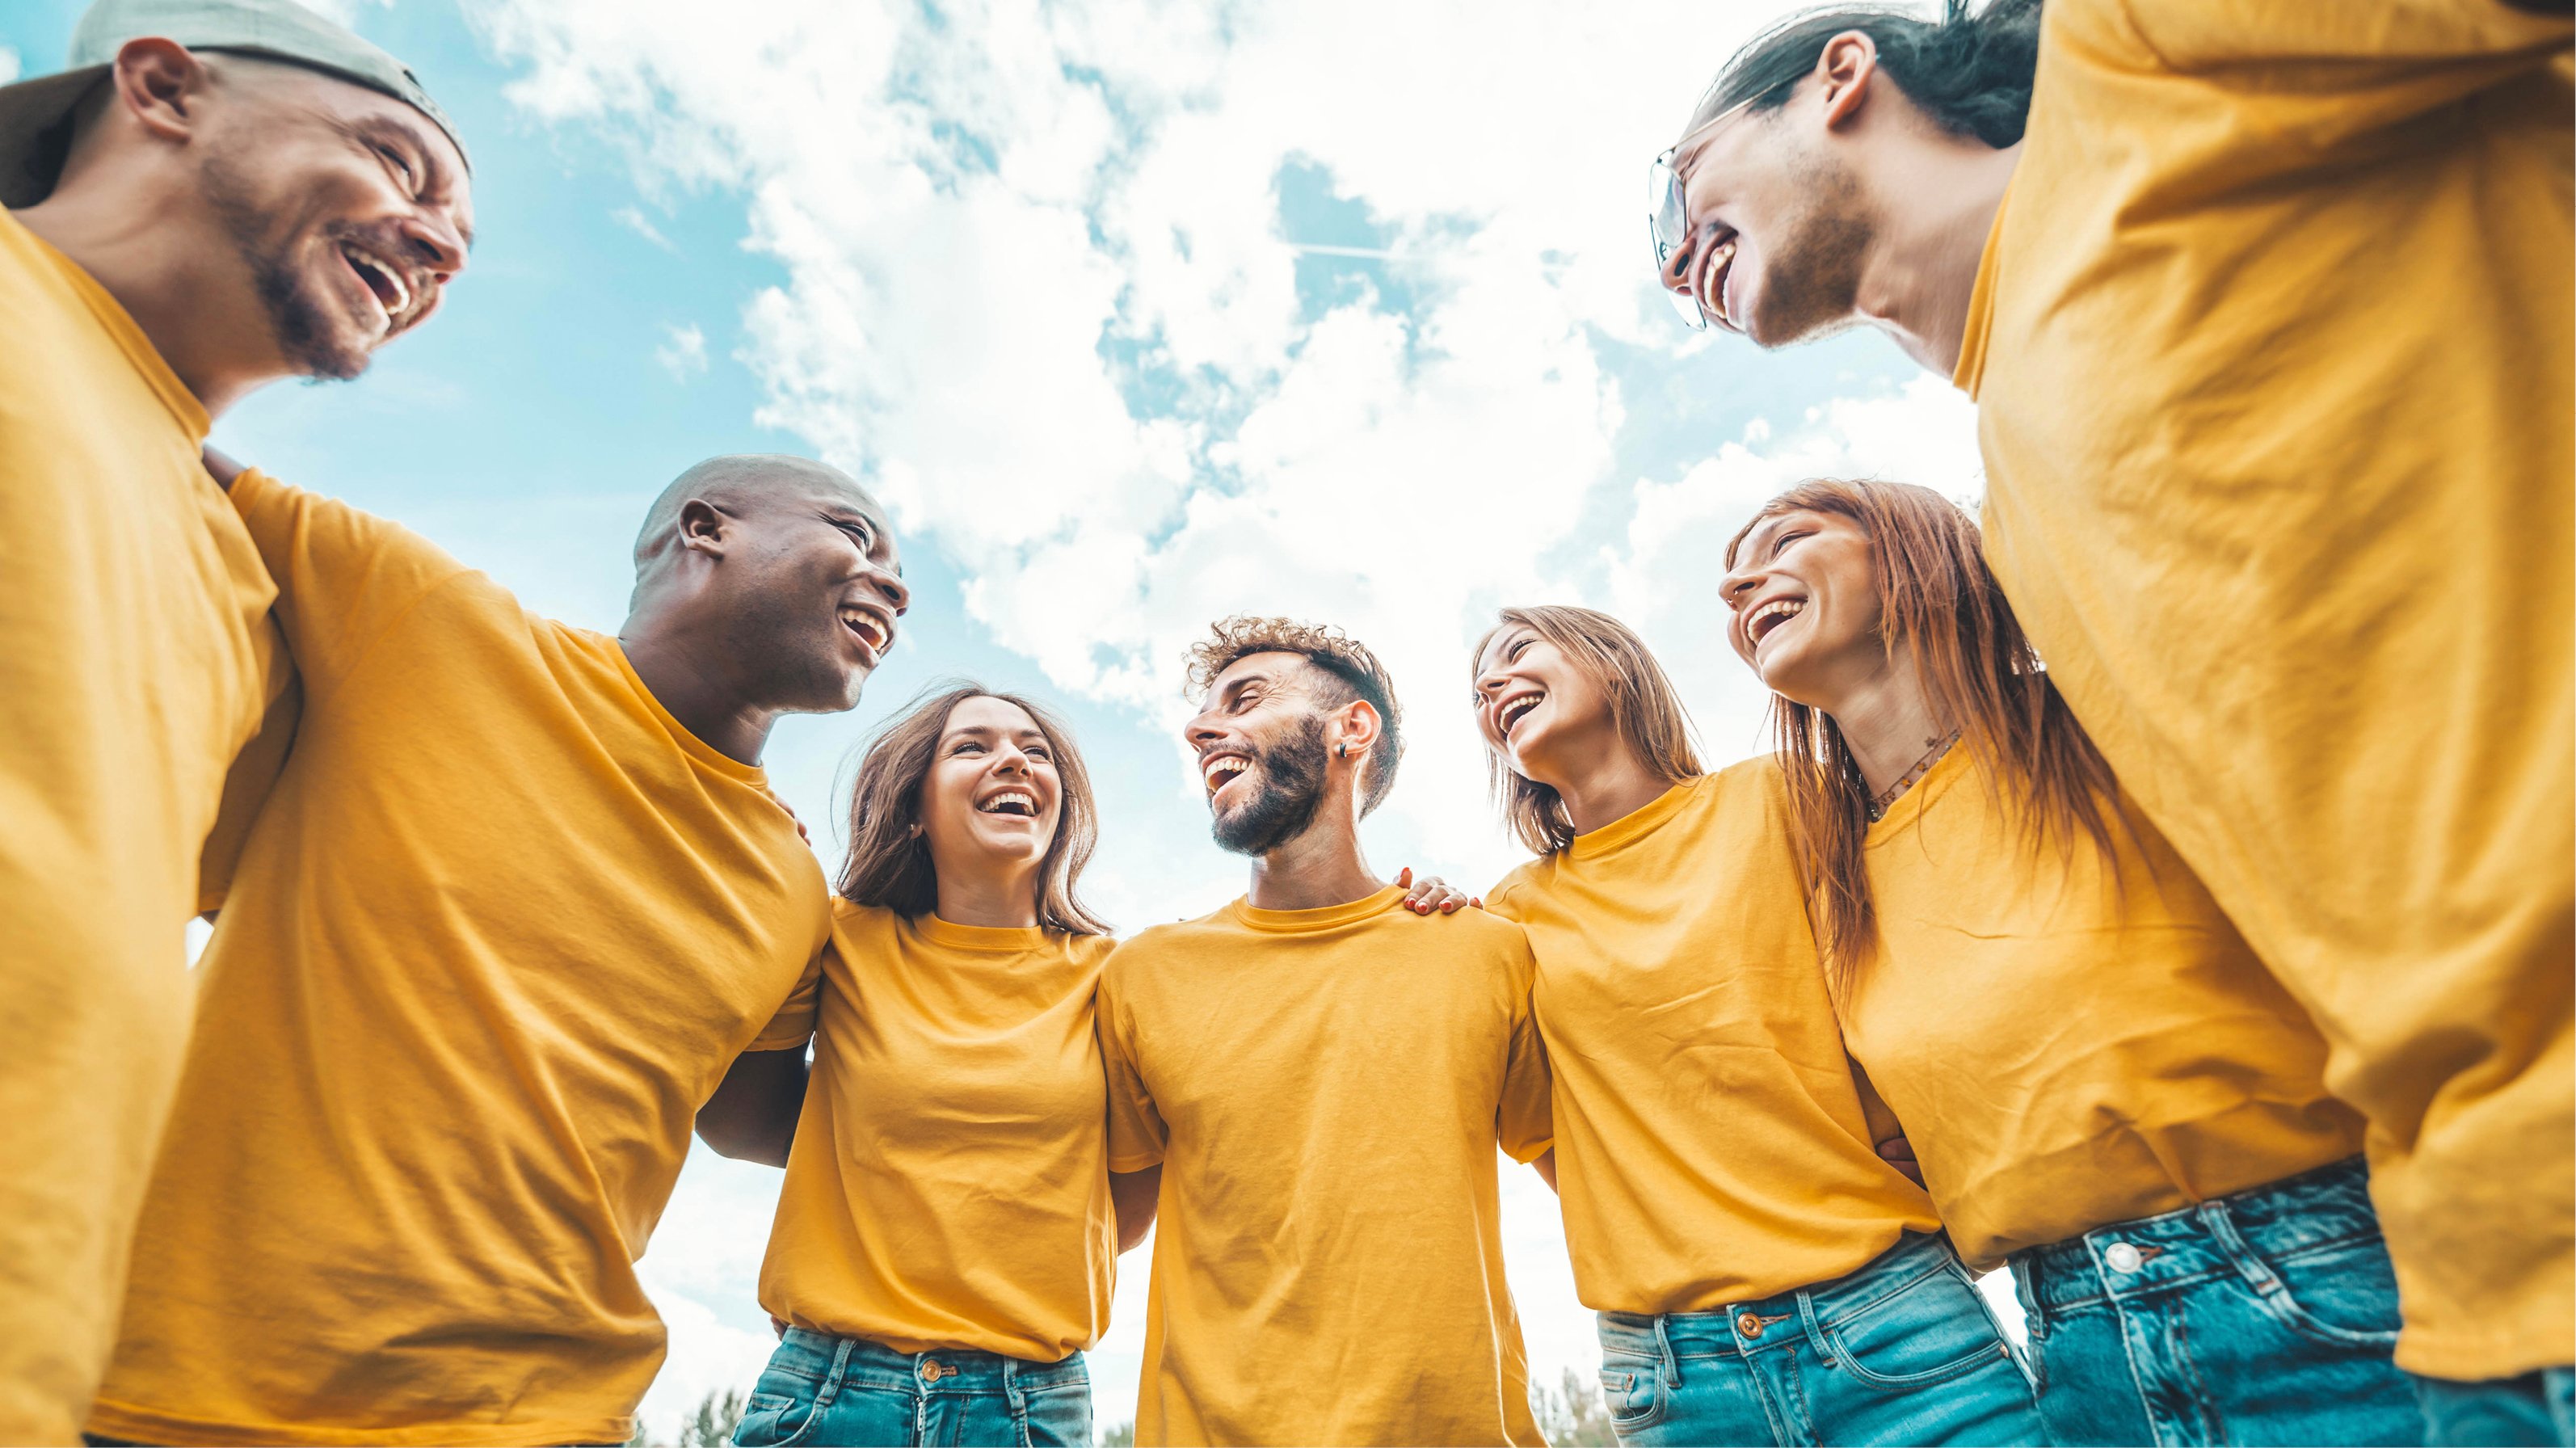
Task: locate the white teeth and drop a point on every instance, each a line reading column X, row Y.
column 868, row 629
column 391, row 276
column 1512, row 712
column 1783, row 608
column 1222, row 768
column 1715, row 275
column 1021, row 798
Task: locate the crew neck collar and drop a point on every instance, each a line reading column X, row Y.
column 690, row 744
column 1304, row 922
column 1633, row 826
column 996, row 938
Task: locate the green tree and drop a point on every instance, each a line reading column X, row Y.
column 1122, row 1436
column 1572, row 1413
column 712, row 1425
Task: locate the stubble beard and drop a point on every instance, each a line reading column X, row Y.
column 300, row 322
column 1814, row 288
column 1292, row 794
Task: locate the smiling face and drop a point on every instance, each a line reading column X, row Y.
column 351, row 210
column 1776, row 229
column 1262, row 752
column 1807, row 613
column 814, row 586
column 993, row 797
column 1537, row 708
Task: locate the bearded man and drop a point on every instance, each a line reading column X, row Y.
column 2267, row 311
column 1323, row 1076
column 216, row 194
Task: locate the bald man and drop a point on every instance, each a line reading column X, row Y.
column 213, row 196
column 519, row 896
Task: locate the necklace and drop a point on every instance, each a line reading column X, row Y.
column 1879, row 802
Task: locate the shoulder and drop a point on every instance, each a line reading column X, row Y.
column 1156, row 944
column 860, row 924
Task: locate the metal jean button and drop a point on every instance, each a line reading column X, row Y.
column 2123, row 1257
column 1748, row 1324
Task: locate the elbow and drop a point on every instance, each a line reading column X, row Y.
column 735, row 1142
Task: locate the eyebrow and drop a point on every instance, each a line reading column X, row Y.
column 380, row 127
column 878, row 532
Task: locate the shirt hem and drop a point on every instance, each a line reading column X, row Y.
column 118, row 1420
column 2477, row 1360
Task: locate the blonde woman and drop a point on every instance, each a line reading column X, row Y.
column 948, row 1230
column 2101, row 1082
column 1762, row 1274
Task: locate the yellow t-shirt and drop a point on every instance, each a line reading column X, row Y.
column 949, row 1186
column 497, row 935
column 2272, row 350
column 2072, row 1045
column 1325, row 1090
column 135, row 658
column 1711, row 1145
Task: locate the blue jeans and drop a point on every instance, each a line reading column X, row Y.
column 2534, row 1408
column 1901, row 1351
column 840, row 1390
column 2261, row 1318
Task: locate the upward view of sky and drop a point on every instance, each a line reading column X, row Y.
column 1136, row 314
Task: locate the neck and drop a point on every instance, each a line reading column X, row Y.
column 692, row 675
column 1320, row 868
column 176, row 274
column 1923, row 263
column 1888, row 723
column 1608, row 785
column 1001, row 898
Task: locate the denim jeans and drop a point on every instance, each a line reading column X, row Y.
column 1901, row 1351
column 2261, row 1318
column 2534, row 1408
column 840, row 1390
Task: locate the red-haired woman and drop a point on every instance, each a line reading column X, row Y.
column 2101, row 1083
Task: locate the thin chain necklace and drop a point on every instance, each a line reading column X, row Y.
column 1879, row 802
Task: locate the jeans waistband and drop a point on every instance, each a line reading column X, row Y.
column 2324, row 1207
column 806, row 1353
column 1690, row 1334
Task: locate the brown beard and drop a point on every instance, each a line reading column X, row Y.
column 1814, row 285
column 299, row 321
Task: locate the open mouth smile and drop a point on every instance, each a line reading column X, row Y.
column 872, row 629
column 1767, row 619
column 387, row 281
column 1712, row 284
column 1217, row 771
column 1509, row 714
column 1017, row 802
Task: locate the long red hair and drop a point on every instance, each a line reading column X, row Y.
column 1943, row 615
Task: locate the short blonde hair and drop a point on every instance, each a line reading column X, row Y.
column 1348, row 670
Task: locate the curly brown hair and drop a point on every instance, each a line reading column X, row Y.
column 1345, row 671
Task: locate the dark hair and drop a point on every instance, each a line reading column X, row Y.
column 1349, row 672
column 1643, row 707
column 889, row 863
column 1969, row 71
column 1943, row 613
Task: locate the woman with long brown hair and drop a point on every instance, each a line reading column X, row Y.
column 947, row 1234
column 1762, row 1274
column 2101, row 1083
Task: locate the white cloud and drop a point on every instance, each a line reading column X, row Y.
column 634, row 220
column 683, row 353
column 8, row 65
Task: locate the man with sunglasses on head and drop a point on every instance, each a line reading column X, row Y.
column 2267, row 313
column 213, row 195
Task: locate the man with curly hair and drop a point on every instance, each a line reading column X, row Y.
column 1323, row 1077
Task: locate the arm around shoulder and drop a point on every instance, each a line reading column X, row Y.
column 752, row 1115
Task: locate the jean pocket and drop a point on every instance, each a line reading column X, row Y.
column 2344, row 1295
column 1057, row 1417
column 1634, row 1397
column 773, row 1420
column 1932, row 1331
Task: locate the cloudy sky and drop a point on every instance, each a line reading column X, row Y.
column 1136, row 314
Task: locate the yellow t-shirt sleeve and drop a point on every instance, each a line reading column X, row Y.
column 247, row 784
column 344, row 576
column 793, row 1026
column 2432, row 52
column 1525, row 1125
column 1137, row 1135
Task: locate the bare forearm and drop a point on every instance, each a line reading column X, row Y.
column 752, row 1116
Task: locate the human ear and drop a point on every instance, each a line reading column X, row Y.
column 160, row 84
column 702, row 527
column 1356, row 729
column 1844, row 70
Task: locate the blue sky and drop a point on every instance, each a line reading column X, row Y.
column 1137, row 314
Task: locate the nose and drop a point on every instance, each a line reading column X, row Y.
column 1200, row 732
column 436, row 242
column 890, row 587
column 1737, row 586
column 1677, row 267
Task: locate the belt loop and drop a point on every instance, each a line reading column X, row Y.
column 1814, row 1326
column 1011, row 1388
column 2220, row 1223
column 832, row 1379
column 1664, row 1344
